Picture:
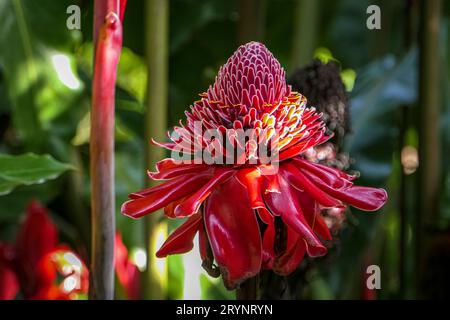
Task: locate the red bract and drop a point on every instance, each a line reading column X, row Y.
column 9, row 283
column 127, row 273
column 36, row 262
column 252, row 210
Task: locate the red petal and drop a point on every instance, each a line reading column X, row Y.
column 170, row 168
column 37, row 237
column 127, row 273
column 9, row 283
column 286, row 205
column 163, row 186
column 181, row 240
column 312, row 214
column 169, row 210
column 252, row 180
column 363, row 198
column 171, row 191
column 265, row 215
column 298, row 180
column 193, row 202
column 320, row 227
column 289, row 262
column 165, row 145
column 268, row 243
column 233, row 233
column 272, row 184
column 331, row 176
column 54, row 267
column 297, row 149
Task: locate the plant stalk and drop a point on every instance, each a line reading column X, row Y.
column 428, row 125
column 252, row 17
column 157, row 50
column 249, row 289
column 306, row 23
column 407, row 182
column 108, row 44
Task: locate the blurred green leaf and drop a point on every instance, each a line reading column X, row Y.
column 380, row 90
column 445, row 202
column 324, row 55
column 213, row 289
column 348, row 77
column 176, row 276
column 13, row 204
column 82, row 136
column 37, row 65
column 28, row 169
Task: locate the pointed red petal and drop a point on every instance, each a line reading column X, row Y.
column 169, row 210
column 37, row 237
column 363, row 198
column 181, row 240
column 331, row 176
column 297, row 149
column 171, row 191
column 289, row 262
column 286, row 205
column 193, row 202
column 165, row 186
column 268, row 243
column 301, row 182
column 170, row 168
column 312, row 214
column 252, row 180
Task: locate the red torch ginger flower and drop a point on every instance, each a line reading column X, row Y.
column 36, row 263
column 242, row 180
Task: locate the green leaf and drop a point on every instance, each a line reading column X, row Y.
column 348, row 77
column 324, row 55
column 28, row 169
column 38, row 66
column 213, row 289
column 380, row 90
column 82, row 136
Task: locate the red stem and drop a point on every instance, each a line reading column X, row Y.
column 108, row 44
column 102, row 8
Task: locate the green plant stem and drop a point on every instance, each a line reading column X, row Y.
column 407, row 182
column 249, row 289
column 428, row 124
column 251, row 21
column 157, row 17
column 108, row 45
column 74, row 202
column 305, row 31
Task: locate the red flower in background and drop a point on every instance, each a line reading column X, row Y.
column 252, row 210
column 36, row 263
column 127, row 272
column 9, row 283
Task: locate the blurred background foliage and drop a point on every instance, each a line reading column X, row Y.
column 45, row 75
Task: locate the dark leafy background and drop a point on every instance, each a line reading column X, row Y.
column 40, row 114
